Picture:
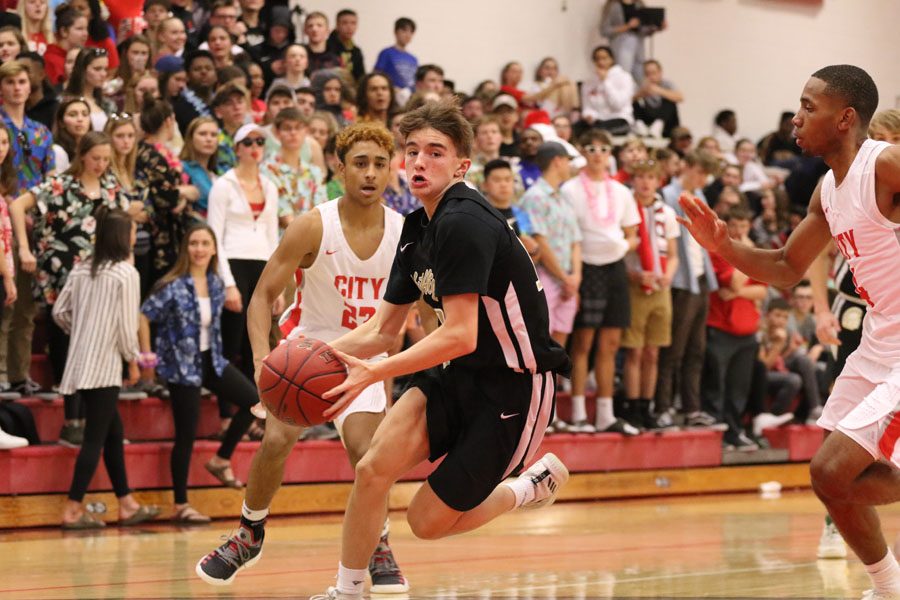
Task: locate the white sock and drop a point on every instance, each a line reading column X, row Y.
column 254, row 515
column 885, row 574
column 579, row 412
column 351, row 581
column 523, row 488
column 605, row 416
column 387, row 527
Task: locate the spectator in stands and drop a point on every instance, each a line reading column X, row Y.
column 694, row 280
column 300, row 184
column 430, row 78
column 375, row 99
column 651, row 267
column 9, row 185
column 270, row 55
column 88, row 78
column 486, row 90
column 554, row 227
column 165, row 186
column 104, row 284
column 33, row 159
column 781, row 385
column 257, row 86
column 732, row 347
column 552, row 92
column 606, row 95
column 194, row 99
column 801, row 353
column 42, row 102
column 563, row 126
column 305, row 99
column 505, row 109
column 885, row 126
column 296, row 63
column 729, row 198
column 510, row 79
column 753, row 175
column 254, row 28
column 670, row 162
column 608, row 218
column 725, row 175
column 99, row 35
column 334, row 182
column 73, row 121
column 682, row 141
column 780, row 148
column 198, row 158
column 243, row 213
column 397, row 194
column 329, row 89
column 36, row 24
column 186, row 307
column 399, row 65
column 619, row 23
column 316, row 30
column 322, row 127
column 64, row 228
column 221, row 47
column 631, row 152
column 190, row 13
column 231, row 109
column 172, row 37
column 135, row 52
column 770, row 225
column 71, row 32
column 146, row 85
column 155, row 12
column 172, row 77
column 528, row 170
column 500, row 190
column 11, row 43
column 725, row 130
column 656, row 101
column 341, row 43
column 486, row 148
column 472, row 108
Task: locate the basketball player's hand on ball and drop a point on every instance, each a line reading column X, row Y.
column 359, row 377
column 706, row 227
column 827, row 328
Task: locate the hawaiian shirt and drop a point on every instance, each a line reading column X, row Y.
column 176, row 312
column 225, row 156
column 400, row 198
column 32, row 148
column 158, row 183
column 6, row 234
column 299, row 190
column 65, row 227
column 552, row 217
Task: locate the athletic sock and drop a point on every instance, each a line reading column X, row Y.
column 387, row 527
column 579, row 412
column 885, row 574
column 351, row 581
column 523, row 488
column 255, row 520
column 605, row 416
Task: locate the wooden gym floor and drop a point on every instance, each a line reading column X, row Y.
column 717, row 546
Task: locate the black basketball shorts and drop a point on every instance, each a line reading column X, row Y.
column 487, row 424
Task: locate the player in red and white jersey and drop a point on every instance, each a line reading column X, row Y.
column 858, row 205
column 340, row 254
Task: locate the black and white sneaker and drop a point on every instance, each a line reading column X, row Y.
column 739, row 443
column 703, row 420
column 548, row 475
column 664, row 421
column 240, row 551
column 620, row 426
column 386, row 575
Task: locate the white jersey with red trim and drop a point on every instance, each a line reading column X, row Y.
column 870, row 243
column 340, row 290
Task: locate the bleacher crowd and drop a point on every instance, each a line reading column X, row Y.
column 223, row 115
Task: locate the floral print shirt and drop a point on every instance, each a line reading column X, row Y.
column 299, row 190
column 6, row 234
column 32, row 148
column 158, row 183
column 176, row 312
column 65, row 227
column 225, row 156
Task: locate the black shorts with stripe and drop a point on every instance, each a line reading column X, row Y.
column 486, row 423
column 605, row 299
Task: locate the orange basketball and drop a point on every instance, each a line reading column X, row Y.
column 293, row 378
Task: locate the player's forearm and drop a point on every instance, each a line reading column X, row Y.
column 259, row 321
column 762, row 265
column 818, row 280
column 445, row 344
column 365, row 341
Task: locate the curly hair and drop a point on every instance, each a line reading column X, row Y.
column 364, row 132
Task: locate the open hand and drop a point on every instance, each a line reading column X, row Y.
column 827, row 328
column 707, row 228
column 359, row 376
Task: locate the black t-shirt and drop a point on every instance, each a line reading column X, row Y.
column 469, row 248
column 322, row 60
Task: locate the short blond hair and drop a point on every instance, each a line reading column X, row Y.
column 363, row 132
column 889, row 120
column 12, row 68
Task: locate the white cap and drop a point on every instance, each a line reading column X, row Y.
column 246, row 130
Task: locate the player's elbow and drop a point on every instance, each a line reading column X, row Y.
column 465, row 341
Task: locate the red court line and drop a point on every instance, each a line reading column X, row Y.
column 246, row 575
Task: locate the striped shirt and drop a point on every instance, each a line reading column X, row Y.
column 101, row 316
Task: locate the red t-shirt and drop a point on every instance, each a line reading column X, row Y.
column 737, row 317
column 54, row 63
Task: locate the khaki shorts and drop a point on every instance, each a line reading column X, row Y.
column 651, row 319
column 865, row 406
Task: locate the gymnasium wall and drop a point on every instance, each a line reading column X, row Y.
column 749, row 55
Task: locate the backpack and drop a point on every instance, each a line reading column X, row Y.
column 16, row 419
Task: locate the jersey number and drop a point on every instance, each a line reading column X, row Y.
column 353, row 316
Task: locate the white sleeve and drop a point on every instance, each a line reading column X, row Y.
column 215, row 218
column 130, row 318
column 630, row 214
column 673, row 229
column 620, row 89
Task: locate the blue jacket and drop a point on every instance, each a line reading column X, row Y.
column 684, row 278
column 176, row 312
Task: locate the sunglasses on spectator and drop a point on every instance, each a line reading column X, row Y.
column 120, row 117
column 645, row 163
column 248, row 142
column 96, row 51
column 592, row 149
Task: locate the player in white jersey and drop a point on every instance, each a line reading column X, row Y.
column 343, row 251
column 858, row 205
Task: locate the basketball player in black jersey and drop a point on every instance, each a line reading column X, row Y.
column 484, row 390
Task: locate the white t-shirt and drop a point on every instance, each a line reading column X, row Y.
column 603, row 240
column 205, row 321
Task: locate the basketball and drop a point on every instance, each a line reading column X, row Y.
column 293, row 378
